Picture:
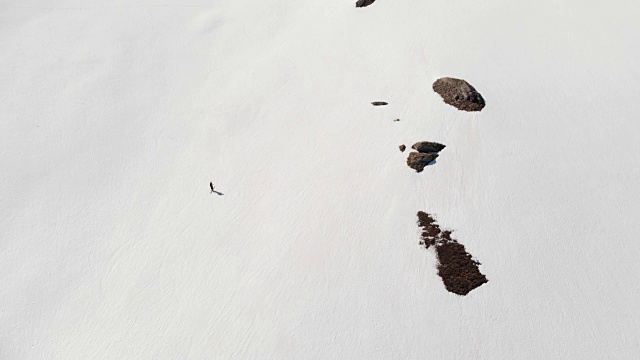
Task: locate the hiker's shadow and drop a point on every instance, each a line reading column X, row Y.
column 217, row 193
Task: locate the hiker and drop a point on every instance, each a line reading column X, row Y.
column 212, row 187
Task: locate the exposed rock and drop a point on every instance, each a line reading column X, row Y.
column 457, row 268
column 430, row 229
column 396, row 120
column 459, row 93
column 403, row 148
column 418, row 161
column 428, row 147
column 364, row 3
column 379, row 103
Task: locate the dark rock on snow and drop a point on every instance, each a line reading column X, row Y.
column 430, row 229
column 428, row 147
column 459, row 93
column 363, row 3
column 457, row 268
column 403, row 148
column 418, row 161
column 379, row 103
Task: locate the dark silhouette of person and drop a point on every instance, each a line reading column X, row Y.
column 212, row 187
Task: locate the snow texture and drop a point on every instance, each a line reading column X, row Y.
column 116, row 115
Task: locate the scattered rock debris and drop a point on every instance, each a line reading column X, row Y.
column 364, row 3
column 459, row 93
column 430, row 229
column 418, row 161
column 403, row 148
column 428, row 147
column 379, row 103
column 459, row 272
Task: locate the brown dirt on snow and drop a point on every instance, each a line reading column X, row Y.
column 430, row 229
column 364, row 3
column 457, row 268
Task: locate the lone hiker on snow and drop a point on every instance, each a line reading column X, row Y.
column 213, row 189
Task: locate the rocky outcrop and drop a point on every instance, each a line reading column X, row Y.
column 427, row 152
column 459, row 93
column 364, row 3
column 379, row 103
column 403, row 148
column 457, row 268
column 418, row 161
column 428, row 147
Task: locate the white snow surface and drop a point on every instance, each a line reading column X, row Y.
column 115, row 115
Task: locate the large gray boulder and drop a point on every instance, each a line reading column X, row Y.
column 459, row 93
column 418, row 161
column 428, row 147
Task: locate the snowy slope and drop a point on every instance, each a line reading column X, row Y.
column 115, row 115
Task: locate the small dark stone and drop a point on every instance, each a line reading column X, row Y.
column 379, row 103
column 403, row 148
column 364, row 3
column 418, row 161
column 459, row 93
column 428, row 147
column 396, row 120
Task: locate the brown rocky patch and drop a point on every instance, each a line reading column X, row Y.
column 459, row 93
column 418, row 161
column 428, row 147
column 430, row 229
column 402, row 148
column 457, row 268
